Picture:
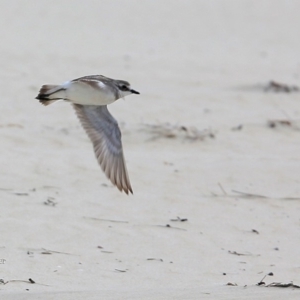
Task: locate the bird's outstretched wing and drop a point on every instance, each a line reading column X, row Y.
column 104, row 132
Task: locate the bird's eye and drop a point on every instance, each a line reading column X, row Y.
column 124, row 88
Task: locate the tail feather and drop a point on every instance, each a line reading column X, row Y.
column 47, row 102
column 47, row 94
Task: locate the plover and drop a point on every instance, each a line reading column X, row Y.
column 90, row 96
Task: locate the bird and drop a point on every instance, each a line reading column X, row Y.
column 90, row 95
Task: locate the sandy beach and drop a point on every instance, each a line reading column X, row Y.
column 211, row 146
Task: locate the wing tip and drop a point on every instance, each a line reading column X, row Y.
column 127, row 189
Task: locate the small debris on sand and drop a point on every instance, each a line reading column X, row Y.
column 274, row 86
column 172, row 131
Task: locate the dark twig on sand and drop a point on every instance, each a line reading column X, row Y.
column 283, row 123
column 241, row 254
column 277, row 284
column 50, row 201
column 157, row 259
column 250, row 195
column 275, row 86
column 47, row 251
column 283, row 285
column 178, row 219
column 30, row 281
column 262, row 280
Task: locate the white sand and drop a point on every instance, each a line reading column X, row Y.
column 196, row 63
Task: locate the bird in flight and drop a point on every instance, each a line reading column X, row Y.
column 90, row 96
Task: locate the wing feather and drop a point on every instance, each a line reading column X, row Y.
column 104, row 132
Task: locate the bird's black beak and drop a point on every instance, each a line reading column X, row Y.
column 134, row 92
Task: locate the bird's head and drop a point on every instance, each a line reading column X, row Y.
column 125, row 89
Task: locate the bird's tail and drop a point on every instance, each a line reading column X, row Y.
column 49, row 93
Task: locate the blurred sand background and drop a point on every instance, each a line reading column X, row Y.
column 198, row 64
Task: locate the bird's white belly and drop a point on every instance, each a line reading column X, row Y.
column 82, row 93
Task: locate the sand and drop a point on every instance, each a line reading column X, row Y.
column 209, row 217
